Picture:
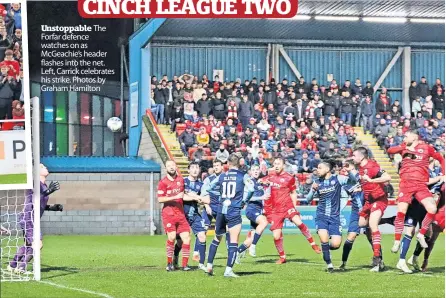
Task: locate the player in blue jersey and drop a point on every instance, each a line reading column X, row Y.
column 191, row 200
column 254, row 212
column 212, row 208
column 231, row 187
column 328, row 220
column 354, row 190
column 24, row 254
column 214, row 205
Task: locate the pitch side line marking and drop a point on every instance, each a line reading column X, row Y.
column 76, row 289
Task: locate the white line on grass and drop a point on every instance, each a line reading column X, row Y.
column 76, row 289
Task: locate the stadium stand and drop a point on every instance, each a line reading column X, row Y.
column 203, row 120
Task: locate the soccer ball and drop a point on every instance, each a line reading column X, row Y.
column 114, row 124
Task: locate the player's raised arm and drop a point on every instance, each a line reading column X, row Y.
column 436, row 155
column 396, row 149
column 313, row 191
column 381, row 177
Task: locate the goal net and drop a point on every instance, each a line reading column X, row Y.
column 14, row 251
column 20, row 208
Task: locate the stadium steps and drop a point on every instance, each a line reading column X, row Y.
column 381, row 157
column 174, row 148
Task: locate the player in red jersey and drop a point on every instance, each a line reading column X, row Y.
column 414, row 173
column 372, row 179
column 283, row 199
column 170, row 193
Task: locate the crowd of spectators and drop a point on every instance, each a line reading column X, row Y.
column 302, row 122
column 11, row 67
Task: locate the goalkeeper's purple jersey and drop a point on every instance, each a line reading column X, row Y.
column 28, row 209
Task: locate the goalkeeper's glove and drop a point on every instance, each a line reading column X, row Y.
column 55, row 207
column 54, row 186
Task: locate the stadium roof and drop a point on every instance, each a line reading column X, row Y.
column 75, row 164
column 374, row 8
column 301, row 31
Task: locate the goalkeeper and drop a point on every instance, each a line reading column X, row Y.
column 26, row 220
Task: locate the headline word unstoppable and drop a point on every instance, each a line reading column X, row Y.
column 187, row 8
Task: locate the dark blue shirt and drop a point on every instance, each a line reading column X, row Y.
column 191, row 207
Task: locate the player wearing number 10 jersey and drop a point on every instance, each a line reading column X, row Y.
column 283, row 198
column 231, row 187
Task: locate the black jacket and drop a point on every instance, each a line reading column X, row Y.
column 204, row 107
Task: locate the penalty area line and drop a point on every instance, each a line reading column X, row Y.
column 76, row 289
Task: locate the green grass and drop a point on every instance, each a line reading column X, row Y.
column 13, row 179
column 134, row 266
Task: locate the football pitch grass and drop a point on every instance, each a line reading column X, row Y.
column 134, row 266
column 13, row 179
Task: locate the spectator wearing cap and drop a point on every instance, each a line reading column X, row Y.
column 423, row 89
column 383, row 103
column 368, row 89
column 187, row 140
column 246, row 111
column 437, row 87
column 416, row 106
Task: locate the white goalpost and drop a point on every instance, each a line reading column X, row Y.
column 13, row 249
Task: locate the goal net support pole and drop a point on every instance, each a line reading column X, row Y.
column 36, row 189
